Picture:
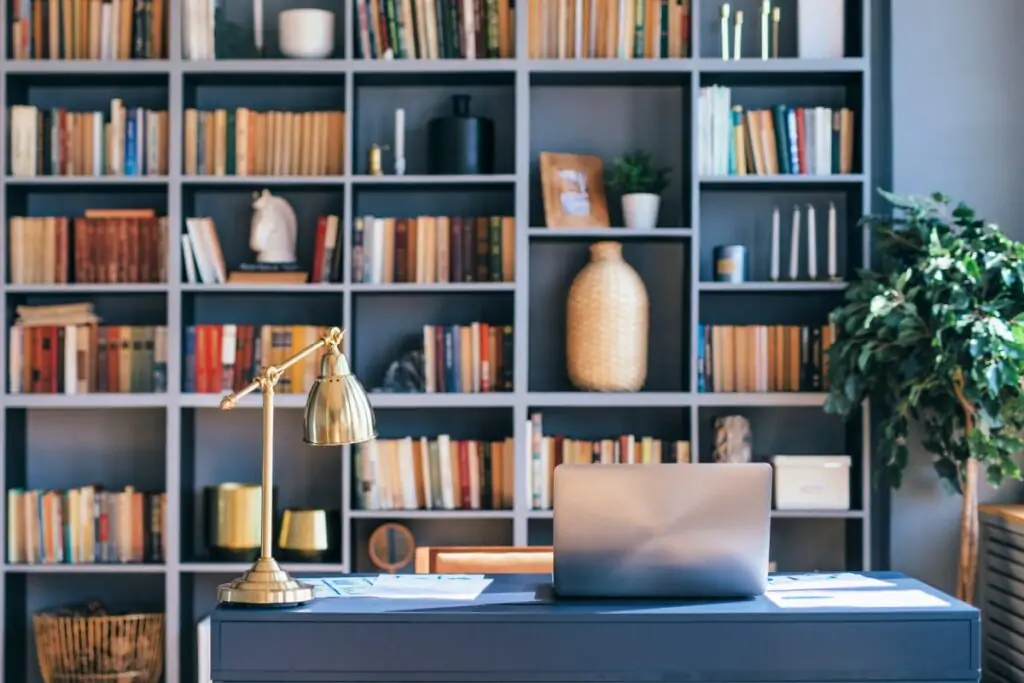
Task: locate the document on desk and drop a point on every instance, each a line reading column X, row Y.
column 852, row 599
column 338, row 586
column 822, row 581
column 428, row 586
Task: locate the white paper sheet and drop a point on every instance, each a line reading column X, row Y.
column 855, row 598
column 338, row 586
column 428, row 586
column 821, row 581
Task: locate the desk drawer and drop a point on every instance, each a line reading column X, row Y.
column 515, row 650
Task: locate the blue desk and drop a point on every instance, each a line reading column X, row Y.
column 516, row 633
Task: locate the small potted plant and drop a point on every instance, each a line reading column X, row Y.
column 640, row 183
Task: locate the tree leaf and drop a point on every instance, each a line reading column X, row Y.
column 935, row 331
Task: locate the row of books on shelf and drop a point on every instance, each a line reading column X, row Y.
column 221, row 358
column 763, row 358
column 435, row 29
column 428, row 249
column 243, row 142
column 470, row 358
column 88, row 29
column 61, row 349
column 548, row 451
column 434, row 474
column 57, row 142
column 104, row 246
column 204, row 260
column 778, row 140
column 603, row 29
column 85, row 525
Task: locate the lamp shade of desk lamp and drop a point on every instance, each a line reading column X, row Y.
column 338, row 413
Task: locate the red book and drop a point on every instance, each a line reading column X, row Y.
column 318, row 249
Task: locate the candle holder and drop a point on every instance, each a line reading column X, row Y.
column 374, row 159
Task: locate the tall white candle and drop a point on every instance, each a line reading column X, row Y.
column 794, row 246
column 257, row 25
column 400, row 141
column 833, row 272
column 812, row 244
column 776, row 234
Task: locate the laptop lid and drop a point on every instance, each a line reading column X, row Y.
column 668, row 530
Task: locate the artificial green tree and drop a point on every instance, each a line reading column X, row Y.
column 935, row 334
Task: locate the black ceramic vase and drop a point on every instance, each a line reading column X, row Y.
column 461, row 144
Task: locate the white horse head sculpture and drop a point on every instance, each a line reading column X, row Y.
column 274, row 229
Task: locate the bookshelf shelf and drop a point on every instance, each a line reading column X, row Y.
column 86, row 289
column 610, row 66
column 580, row 399
column 430, row 180
column 741, row 287
column 777, row 399
column 434, row 288
column 213, row 401
column 236, row 288
column 181, row 442
column 87, row 67
column 494, row 399
column 791, row 179
column 431, row 514
column 57, row 401
column 438, row 66
column 83, row 181
column 608, row 234
column 266, row 66
column 273, row 181
column 85, row 568
column 846, row 65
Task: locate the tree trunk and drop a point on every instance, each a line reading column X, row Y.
column 967, row 567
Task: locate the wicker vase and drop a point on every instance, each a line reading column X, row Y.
column 607, row 322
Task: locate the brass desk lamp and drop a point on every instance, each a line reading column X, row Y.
column 338, row 412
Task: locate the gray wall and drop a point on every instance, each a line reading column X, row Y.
column 957, row 92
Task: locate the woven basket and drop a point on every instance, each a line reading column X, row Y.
column 607, row 322
column 100, row 649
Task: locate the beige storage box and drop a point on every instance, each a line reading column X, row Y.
column 812, row 482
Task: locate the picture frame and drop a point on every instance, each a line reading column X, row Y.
column 573, row 191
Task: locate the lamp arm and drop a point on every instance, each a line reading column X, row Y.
column 272, row 373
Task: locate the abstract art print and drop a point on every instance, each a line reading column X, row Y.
column 573, row 187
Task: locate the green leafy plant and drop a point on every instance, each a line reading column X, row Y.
column 636, row 173
column 935, row 335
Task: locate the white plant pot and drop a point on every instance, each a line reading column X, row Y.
column 306, row 33
column 640, row 210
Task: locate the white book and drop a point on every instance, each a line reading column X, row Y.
column 70, row 359
column 189, row 259
column 200, row 253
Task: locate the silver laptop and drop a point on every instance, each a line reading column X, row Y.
column 662, row 531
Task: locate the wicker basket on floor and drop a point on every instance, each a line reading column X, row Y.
column 100, row 649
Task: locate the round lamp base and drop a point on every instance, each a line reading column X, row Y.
column 265, row 585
